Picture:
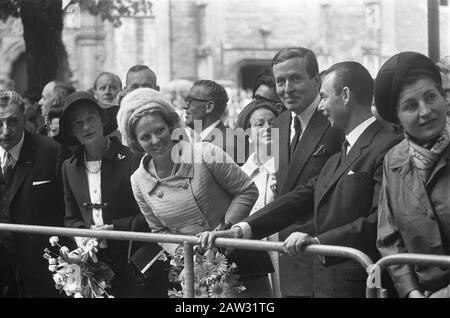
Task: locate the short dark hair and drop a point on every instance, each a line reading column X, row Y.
column 110, row 74
column 293, row 52
column 265, row 77
column 138, row 68
column 354, row 76
column 216, row 92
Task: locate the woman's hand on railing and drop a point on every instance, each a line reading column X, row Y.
column 206, row 239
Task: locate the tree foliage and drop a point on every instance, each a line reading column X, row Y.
column 111, row 10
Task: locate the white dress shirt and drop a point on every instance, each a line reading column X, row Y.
column 195, row 137
column 304, row 117
column 352, row 137
column 264, row 178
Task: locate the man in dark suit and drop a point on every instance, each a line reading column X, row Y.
column 344, row 196
column 205, row 104
column 306, row 141
column 31, row 193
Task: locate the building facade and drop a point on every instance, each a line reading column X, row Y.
column 231, row 40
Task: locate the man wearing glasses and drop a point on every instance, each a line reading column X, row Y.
column 205, row 104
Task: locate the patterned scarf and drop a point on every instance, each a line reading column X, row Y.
column 426, row 157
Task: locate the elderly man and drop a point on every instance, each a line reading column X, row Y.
column 205, row 104
column 106, row 87
column 344, row 197
column 53, row 94
column 31, row 193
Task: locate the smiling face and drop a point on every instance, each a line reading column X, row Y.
column 261, row 122
column 332, row 104
column 421, row 110
column 12, row 121
column 154, row 136
column 86, row 123
column 295, row 88
column 196, row 102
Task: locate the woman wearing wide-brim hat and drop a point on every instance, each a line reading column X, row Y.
column 414, row 206
column 97, row 188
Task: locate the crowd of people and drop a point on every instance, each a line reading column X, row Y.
column 317, row 157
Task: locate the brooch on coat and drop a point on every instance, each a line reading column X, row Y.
column 90, row 205
column 120, row 156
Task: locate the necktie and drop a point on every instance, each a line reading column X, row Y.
column 344, row 151
column 298, row 132
column 7, row 166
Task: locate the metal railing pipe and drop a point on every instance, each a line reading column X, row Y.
column 413, row 259
column 188, row 270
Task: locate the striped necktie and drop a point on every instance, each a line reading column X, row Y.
column 7, row 165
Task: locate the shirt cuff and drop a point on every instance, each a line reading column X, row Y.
column 245, row 228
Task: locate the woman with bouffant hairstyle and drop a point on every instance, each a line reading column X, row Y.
column 185, row 188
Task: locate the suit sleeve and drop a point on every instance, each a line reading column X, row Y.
column 390, row 242
column 361, row 233
column 284, row 211
column 73, row 217
column 233, row 180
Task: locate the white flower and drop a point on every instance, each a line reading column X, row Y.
column 52, row 261
column 121, row 157
column 52, row 268
column 54, row 240
column 78, row 295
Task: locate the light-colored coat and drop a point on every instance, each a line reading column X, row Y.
column 202, row 193
column 414, row 217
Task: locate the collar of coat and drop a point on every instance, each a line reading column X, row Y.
column 401, row 159
column 186, row 169
column 115, row 149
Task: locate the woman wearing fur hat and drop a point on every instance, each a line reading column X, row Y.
column 414, row 207
column 185, row 188
column 98, row 192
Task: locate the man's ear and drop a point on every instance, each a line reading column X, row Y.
column 346, row 95
column 210, row 106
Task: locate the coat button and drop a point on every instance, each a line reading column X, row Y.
column 160, row 194
column 201, row 223
column 185, row 186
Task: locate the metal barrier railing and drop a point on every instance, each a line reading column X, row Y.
column 375, row 270
column 374, row 287
column 189, row 242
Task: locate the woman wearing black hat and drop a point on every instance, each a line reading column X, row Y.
column 97, row 188
column 414, row 207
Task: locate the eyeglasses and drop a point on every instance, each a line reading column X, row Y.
column 189, row 100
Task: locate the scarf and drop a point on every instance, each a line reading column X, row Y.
column 426, row 157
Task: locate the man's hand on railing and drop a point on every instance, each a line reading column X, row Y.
column 296, row 242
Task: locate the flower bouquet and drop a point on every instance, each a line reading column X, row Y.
column 79, row 273
column 213, row 276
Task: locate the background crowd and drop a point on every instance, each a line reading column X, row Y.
column 328, row 157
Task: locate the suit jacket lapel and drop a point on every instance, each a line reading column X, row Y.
column 283, row 123
column 24, row 164
column 308, row 142
column 355, row 152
